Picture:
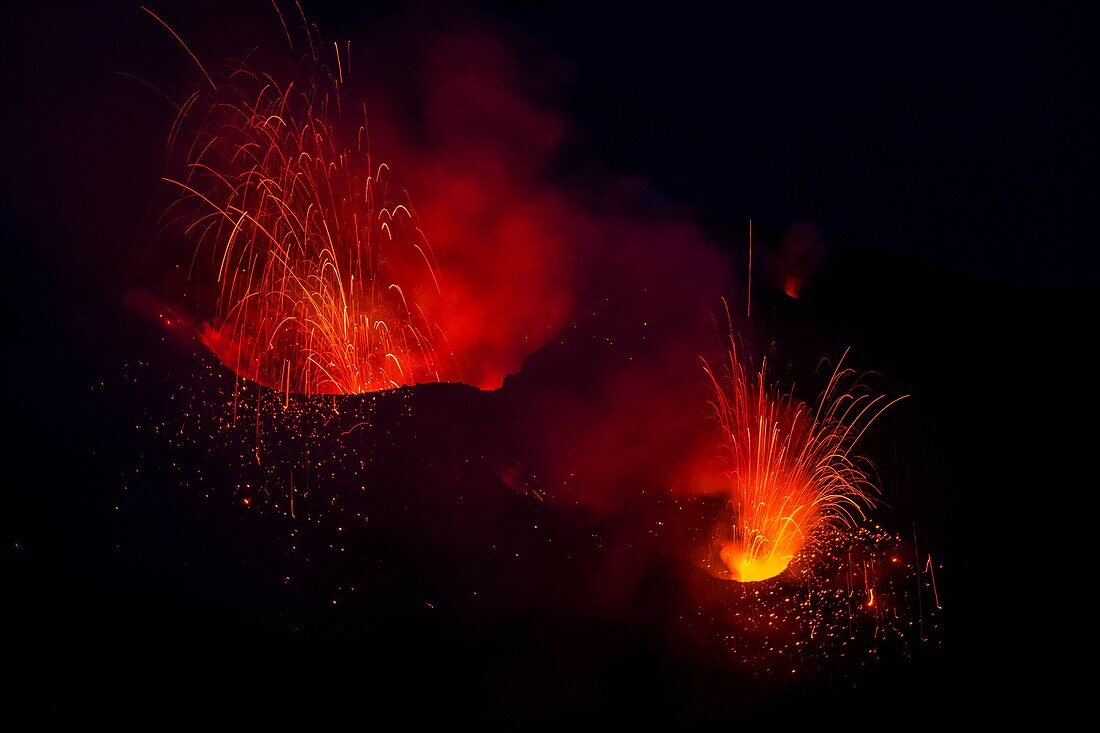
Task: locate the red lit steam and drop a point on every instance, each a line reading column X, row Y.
column 506, row 241
column 617, row 404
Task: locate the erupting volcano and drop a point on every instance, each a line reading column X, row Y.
column 385, row 354
column 790, row 470
column 324, row 285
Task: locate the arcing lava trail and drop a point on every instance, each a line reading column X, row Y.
column 323, row 284
column 790, row 470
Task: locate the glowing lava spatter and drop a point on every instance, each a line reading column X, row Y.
column 323, row 285
column 790, row 468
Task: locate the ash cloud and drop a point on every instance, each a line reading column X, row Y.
column 583, row 292
column 596, row 293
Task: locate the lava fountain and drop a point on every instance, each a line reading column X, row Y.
column 323, row 284
column 789, row 468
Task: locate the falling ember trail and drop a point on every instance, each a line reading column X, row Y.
column 748, row 299
column 790, row 470
column 928, row 568
column 184, row 45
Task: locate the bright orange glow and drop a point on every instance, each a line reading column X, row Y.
column 790, row 470
column 745, row 567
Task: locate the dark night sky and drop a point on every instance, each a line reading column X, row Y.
column 953, row 149
column 962, row 137
column 958, row 135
